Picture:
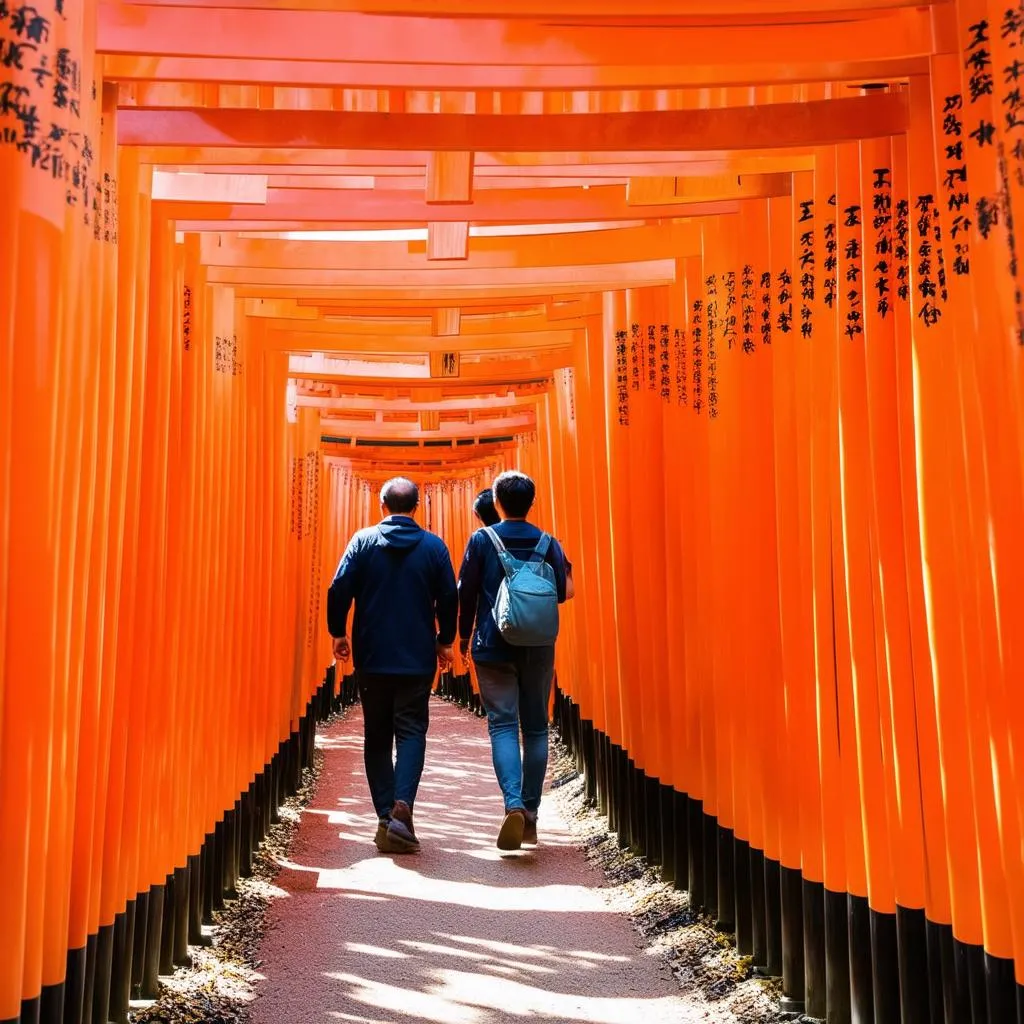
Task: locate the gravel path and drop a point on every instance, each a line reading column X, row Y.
column 455, row 933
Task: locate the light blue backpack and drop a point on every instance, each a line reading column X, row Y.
column 526, row 610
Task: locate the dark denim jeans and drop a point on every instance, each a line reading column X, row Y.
column 396, row 713
column 516, row 695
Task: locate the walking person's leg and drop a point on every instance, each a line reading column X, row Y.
column 411, row 721
column 376, row 694
column 535, row 681
column 499, row 691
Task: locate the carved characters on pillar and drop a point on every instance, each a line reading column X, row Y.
column 682, row 380
column 713, row 324
column 881, row 227
column 186, row 319
column 808, row 259
column 622, row 377
column 225, row 355
column 697, row 334
column 853, row 272
column 747, row 309
column 928, row 311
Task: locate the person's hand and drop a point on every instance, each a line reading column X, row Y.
column 445, row 656
column 464, row 647
column 342, row 651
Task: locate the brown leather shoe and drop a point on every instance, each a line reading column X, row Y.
column 403, row 813
column 530, row 829
column 510, row 837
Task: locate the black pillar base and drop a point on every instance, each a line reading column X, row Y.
column 121, row 966
column 744, row 899
column 182, row 894
column 695, row 843
column 792, row 914
column 885, row 964
column 154, row 930
column 974, row 957
column 815, row 999
column 681, row 843
column 667, row 818
column 74, row 984
column 726, row 919
column 773, row 915
column 195, row 902
column 837, row 957
column 51, row 1004
column 139, row 943
column 30, row 1011
column 759, row 911
column 710, row 832
column 166, row 964
column 100, row 979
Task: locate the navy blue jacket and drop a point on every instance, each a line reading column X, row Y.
column 481, row 575
column 401, row 579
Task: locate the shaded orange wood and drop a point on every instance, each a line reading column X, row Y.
column 744, row 128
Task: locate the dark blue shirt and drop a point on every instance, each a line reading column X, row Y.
column 401, row 579
column 480, row 577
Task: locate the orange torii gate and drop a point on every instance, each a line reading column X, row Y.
column 737, row 281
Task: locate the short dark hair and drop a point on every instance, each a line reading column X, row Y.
column 514, row 492
column 400, row 496
column 485, row 510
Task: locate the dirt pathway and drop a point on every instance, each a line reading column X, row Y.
column 455, row 933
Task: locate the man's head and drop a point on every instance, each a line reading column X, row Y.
column 513, row 494
column 483, row 508
column 399, row 497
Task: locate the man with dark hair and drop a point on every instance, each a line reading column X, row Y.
column 515, row 682
column 401, row 579
column 483, row 508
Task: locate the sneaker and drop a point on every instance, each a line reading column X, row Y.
column 530, row 829
column 510, row 837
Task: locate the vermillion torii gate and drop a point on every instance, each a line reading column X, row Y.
column 737, row 281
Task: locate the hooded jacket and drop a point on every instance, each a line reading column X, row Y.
column 401, row 579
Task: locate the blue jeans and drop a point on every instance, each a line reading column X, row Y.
column 516, row 693
column 396, row 713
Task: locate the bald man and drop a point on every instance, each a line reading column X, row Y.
column 401, row 579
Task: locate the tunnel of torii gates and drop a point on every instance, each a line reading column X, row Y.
column 736, row 281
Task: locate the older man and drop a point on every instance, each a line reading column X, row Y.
column 401, row 579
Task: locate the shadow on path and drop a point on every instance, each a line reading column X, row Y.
column 455, row 933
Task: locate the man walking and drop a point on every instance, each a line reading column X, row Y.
column 401, row 579
column 515, row 680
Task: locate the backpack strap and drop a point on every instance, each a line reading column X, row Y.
column 540, row 552
column 507, row 561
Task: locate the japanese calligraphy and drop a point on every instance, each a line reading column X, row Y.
column 784, row 320
column 747, row 308
column 954, row 182
column 666, row 365
column 881, row 224
column 652, row 359
column 901, row 250
column 729, row 325
column 622, row 377
column 928, row 312
column 766, row 308
column 682, row 381
column 186, row 319
column 635, row 356
column 807, row 267
column 831, row 264
column 697, row 332
column 853, row 271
